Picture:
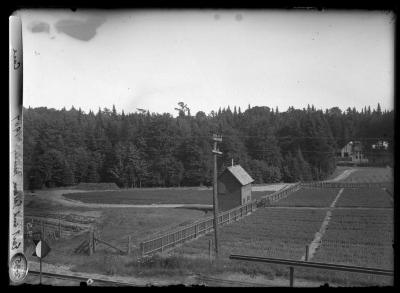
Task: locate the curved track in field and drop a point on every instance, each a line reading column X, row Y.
column 56, row 196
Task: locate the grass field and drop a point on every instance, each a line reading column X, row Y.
column 339, row 170
column 370, row 174
column 152, row 196
column 113, row 224
column 146, row 196
column 364, row 197
column 309, row 197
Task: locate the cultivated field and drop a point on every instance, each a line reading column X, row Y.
column 267, row 232
column 362, row 238
column 365, row 197
column 359, row 237
column 309, row 197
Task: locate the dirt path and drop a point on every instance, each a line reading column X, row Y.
column 342, row 176
column 318, row 236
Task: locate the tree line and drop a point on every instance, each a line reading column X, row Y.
column 143, row 149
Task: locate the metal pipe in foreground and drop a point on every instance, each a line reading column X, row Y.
column 355, row 269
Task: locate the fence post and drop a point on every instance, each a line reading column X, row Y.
column 306, row 258
column 291, row 271
column 141, row 249
column 42, row 226
column 94, row 241
column 129, row 244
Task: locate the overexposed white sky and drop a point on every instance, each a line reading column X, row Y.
column 153, row 59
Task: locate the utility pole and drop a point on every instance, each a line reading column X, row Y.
column 215, row 151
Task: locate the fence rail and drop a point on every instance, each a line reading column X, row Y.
column 282, row 193
column 192, row 231
column 323, row 184
column 315, row 265
column 50, row 228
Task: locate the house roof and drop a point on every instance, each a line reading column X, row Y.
column 240, row 174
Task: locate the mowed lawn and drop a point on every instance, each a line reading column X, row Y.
column 146, row 196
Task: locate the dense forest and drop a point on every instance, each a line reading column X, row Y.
column 142, row 149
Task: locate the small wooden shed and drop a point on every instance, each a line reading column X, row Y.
column 234, row 188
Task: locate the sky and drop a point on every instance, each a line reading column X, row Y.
column 153, row 59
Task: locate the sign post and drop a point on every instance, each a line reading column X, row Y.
column 42, row 249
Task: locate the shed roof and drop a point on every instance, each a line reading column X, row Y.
column 240, row 174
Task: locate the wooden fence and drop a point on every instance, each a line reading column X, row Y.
column 277, row 195
column 192, row 231
column 323, row 184
column 53, row 229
